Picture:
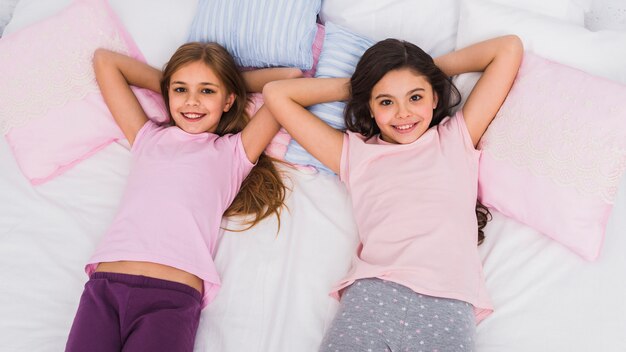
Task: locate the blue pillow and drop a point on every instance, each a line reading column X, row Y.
column 260, row 33
column 341, row 51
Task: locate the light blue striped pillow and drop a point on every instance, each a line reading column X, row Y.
column 260, row 33
column 341, row 51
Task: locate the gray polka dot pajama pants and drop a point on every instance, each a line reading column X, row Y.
column 382, row 316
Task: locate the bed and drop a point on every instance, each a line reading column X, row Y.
column 553, row 256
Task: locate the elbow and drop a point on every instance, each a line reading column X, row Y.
column 279, row 89
column 276, row 97
column 100, row 58
column 98, row 55
column 294, row 73
column 511, row 49
column 269, row 93
column 514, row 45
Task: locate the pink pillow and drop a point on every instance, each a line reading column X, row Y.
column 318, row 43
column 52, row 113
column 555, row 153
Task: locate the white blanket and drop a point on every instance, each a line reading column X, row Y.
column 275, row 285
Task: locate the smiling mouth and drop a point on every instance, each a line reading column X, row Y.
column 405, row 128
column 192, row 115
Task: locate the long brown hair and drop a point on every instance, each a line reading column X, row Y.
column 262, row 193
column 394, row 54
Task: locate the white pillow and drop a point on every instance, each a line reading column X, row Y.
column 157, row 26
column 600, row 53
column 431, row 25
column 565, row 10
column 6, row 10
column 27, row 12
column 606, row 14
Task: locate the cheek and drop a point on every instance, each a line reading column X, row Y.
column 383, row 116
column 175, row 101
column 213, row 103
column 173, row 107
column 426, row 110
column 382, row 121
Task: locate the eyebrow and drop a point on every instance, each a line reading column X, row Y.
column 201, row 83
column 390, row 96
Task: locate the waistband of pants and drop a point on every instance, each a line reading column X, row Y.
column 148, row 282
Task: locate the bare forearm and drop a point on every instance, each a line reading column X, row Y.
column 308, row 91
column 286, row 101
column 136, row 73
column 256, row 79
column 476, row 57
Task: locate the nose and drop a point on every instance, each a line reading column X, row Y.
column 191, row 100
column 403, row 111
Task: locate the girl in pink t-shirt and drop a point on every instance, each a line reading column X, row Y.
column 411, row 170
column 153, row 270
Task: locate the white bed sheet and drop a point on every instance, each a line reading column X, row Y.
column 547, row 298
column 274, row 294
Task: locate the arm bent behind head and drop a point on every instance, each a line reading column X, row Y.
column 287, row 101
column 262, row 127
column 499, row 60
column 115, row 73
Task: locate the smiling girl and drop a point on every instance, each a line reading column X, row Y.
column 411, row 169
column 153, row 270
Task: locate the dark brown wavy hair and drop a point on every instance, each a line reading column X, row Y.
column 393, row 54
column 262, row 193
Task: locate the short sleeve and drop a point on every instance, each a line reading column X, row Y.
column 148, row 129
column 234, row 144
column 241, row 151
column 344, row 168
column 455, row 128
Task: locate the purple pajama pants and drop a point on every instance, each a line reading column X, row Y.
column 120, row 312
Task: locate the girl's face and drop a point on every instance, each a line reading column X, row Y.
column 402, row 104
column 198, row 98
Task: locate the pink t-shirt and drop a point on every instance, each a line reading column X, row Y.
column 179, row 186
column 414, row 205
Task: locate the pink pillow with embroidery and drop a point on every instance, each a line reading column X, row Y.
column 52, row 113
column 555, row 153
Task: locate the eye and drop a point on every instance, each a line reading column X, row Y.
column 415, row 97
column 179, row 90
column 207, row 91
column 385, row 102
